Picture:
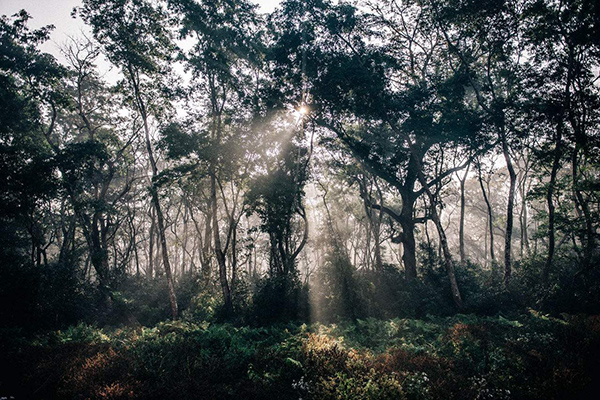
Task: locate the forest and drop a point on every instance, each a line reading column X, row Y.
column 352, row 199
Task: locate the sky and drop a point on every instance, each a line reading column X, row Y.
column 58, row 13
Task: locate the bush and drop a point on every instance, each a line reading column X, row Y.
column 280, row 298
column 337, row 288
column 531, row 356
column 45, row 297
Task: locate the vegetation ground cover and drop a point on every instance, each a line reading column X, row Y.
column 528, row 356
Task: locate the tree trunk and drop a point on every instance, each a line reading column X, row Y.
column 550, row 202
column 373, row 227
column 409, row 251
column 165, row 254
column 184, row 246
column 461, row 231
column 524, row 218
column 509, row 211
column 448, row 262
column 490, row 216
column 150, row 270
column 159, row 215
column 228, row 304
column 234, row 257
column 377, row 240
column 377, row 232
column 206, row 268
column 407, row 222
column 583, row 210
column 154, row 192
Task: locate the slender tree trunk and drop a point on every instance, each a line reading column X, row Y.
column 377, row 240
column 368, row 233
column 134, row 240
column 377, row 232
column 165, row 254
column 206, row 269
column 550, row 202
column 485, row 235
column 250, row 263
column 234, row 258
column 461, row 232
column 522, row 184
column 583, row 210
column 228, row 304
column 448, row 262
column 373, row 228
column 154, row 195
column 509, row 211
column 524, row 217
column 185, row 240
column 68, row 239
column 150, row 270
column 490, row 216
column 155, row 200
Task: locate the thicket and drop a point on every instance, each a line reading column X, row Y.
column 531, row 356
column 57, row 296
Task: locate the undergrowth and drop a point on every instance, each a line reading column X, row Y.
column 530, row 356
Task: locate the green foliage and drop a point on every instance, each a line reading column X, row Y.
column 277, row 194
column 570, row 290
column 28, row 83
column 528, row 356
column 280, row 298
column 337, row 287
column 131, row 31
column 137, row 300
column 49, row 297
column 204, row 306
column 80, row 333
column 405, row 110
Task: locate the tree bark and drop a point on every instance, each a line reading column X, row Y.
column 509, row 211
column 448, row 262
column 461, row 231
column 234, row 265
column 150, row 269
column 583, row 210
column 550, row 202
column 490, row 215
column 374, row 226
column 220, row 255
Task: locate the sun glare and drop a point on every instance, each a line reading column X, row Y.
column 303, row 110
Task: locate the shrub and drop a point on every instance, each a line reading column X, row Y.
column 280, row 298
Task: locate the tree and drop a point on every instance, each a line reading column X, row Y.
column 30, row 85
column 565, row 97
column 391, row 115
column 485, row 190
column 461, row 233
column 484, row 42
column 222, row 59
column 277, row 197
column 91, row 158
column 135, row 39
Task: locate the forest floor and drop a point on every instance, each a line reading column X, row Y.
column 529, row 356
